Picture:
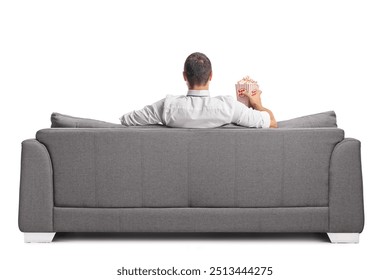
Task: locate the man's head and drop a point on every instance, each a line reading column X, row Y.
column 197, row 71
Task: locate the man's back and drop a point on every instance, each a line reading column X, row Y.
column 197, row 110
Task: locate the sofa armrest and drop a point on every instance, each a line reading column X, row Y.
column 36, row 188
column 346, row 212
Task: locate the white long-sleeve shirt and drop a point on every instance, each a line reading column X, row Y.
column 197, row 110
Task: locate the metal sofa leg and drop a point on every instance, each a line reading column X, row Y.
column 343, row 237
column 38, row 237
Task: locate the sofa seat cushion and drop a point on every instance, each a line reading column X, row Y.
column 167, row 167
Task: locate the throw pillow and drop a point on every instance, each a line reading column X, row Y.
column 325, row 119
column 60, row 120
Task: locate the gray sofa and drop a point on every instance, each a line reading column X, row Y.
column 158, row 179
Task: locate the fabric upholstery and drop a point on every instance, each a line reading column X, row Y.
column 60, row 120
column 346, row 212
column 301, row 219
column 36, row 189
column 325, row 119
column 161, row 167
column 159, row 179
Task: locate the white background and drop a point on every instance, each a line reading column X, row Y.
column 100, row 59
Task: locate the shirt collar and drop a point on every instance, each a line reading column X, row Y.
column 198, row 93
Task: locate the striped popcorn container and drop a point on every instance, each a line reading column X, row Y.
column 250, row 88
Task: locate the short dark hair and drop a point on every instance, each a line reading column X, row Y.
column 197, row 68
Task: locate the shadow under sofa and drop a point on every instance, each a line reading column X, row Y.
column 159, row 179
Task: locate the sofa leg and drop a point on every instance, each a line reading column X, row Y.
column 38, row 237
column 343, row 237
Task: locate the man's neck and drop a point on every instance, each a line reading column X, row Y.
column 205, row 87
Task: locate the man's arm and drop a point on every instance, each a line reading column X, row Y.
column 151, row 114
column 255, row 103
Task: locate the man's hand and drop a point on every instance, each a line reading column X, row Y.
column 255, row 103
column 254, row 97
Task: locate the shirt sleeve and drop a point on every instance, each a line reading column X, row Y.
column 248, row 117
column 151, row 114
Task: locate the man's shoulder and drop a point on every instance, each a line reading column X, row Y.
column 171, row 96
column 224, row 97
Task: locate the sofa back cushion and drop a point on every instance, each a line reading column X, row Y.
column 324, row 119
column 61, row 120
column 167, row 167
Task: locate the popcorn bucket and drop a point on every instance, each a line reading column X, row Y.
column 250, row 88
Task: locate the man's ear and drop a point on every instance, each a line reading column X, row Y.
column 185, row 76
column 211, row 75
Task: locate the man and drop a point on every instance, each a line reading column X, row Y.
column 197, row 109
